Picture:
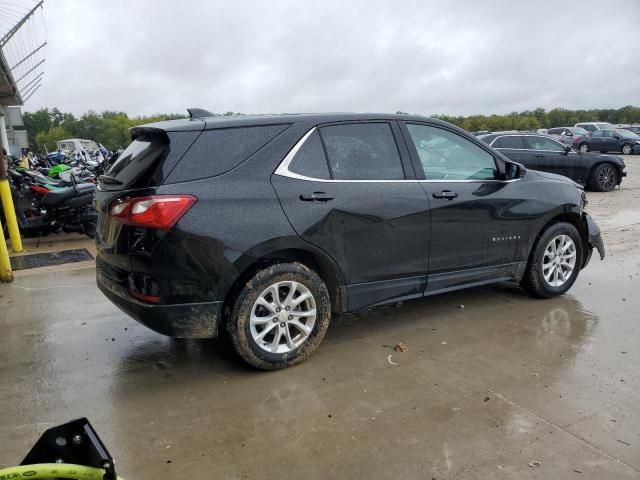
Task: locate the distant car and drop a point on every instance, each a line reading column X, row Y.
column 593, row 126
column 615, row 140
column 540, row 152
column 573, row 136
column 633, row 128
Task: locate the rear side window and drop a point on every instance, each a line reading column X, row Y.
column 543, row 143
column 509, row 142
column 310, row 160
column 218, row 151
column 362, row 151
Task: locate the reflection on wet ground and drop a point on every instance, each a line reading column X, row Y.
column 492, row 382
column 491, row 378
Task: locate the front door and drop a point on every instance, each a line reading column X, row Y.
column 478, row 229
column 351, row 191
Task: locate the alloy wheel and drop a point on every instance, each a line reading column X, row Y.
column 283, row 317
column 584, row 148
column 559, row 260
column 626, row 149
column 606, row 178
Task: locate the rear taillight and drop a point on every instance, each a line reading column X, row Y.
column 155, row 211
column 38, row 189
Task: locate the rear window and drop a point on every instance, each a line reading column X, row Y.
column 218, row 151
column 148, row 160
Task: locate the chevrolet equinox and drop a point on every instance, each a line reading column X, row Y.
column 265, row 226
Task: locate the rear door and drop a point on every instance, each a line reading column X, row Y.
column 478, row 226
column 350, row 190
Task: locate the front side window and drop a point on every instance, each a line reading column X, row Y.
column 445, row 155
column 543, row 143
column 362, row 151
column 598, row 133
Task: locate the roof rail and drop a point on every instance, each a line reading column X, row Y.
column 199, row 113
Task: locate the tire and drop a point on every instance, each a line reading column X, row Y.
column 627, row 149
column 250, row 317
column 603, row 178
column 583, row 147
column 541, row 264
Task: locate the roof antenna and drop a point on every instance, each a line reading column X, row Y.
column 199, row 113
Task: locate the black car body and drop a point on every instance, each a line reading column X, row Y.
column 370, row 206
column 616, row 140
column 540, row 152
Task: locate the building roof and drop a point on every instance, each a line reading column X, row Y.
column 9, row 93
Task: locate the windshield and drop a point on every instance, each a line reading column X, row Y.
column 89, row 145
column 579, row 131
column 627, row 134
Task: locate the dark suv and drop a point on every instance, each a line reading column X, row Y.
column 265, row 225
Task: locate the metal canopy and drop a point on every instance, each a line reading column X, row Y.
column 9, row 93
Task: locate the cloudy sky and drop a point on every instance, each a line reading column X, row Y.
column 420, row 56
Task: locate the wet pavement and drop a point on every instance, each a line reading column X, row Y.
column 494, row 385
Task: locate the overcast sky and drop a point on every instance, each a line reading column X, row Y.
column 419, row 56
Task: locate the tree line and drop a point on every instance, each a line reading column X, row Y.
column 47, row 126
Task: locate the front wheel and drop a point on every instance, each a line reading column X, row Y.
column 604, row 178
column 627, row 149
column 280, row 316
column 584, row 147
column 555, row 262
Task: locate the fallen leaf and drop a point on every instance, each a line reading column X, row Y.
column 400, row 347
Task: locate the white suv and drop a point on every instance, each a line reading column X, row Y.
column 593, row 126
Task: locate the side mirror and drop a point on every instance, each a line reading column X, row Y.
column 617, row 137
column 514, row 171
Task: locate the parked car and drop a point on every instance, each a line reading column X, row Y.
column 593, row 126
column 618, row 140
column 266, row 225
column 632, row 128
column 573, row 136
column 539, row 152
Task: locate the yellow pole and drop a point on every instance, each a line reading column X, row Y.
column 7, row 203
column 6, row 275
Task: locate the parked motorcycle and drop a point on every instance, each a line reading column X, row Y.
column 45, row 209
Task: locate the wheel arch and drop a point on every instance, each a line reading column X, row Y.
column 313, row 258
column 619, row 168
column 573, row 218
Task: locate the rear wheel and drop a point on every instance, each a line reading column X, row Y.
column 280, row 316
column 627, row 149
column 604, row 178
column 584, row 147
column 555, row 262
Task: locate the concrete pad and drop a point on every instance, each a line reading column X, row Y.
column 481, row 392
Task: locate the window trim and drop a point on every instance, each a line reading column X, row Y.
column 525, row 149
column 282, row 170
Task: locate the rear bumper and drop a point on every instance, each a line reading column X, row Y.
column 189, row 320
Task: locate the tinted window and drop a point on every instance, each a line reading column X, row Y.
column 512, row 141
column 579, row 131
column 607, row 133
column 597, row 133
column 310, row 160
column 363, row 151
column 136, row 164
column 447, row 155
column 588, row 127
column 543, row 143
column 557, row 131
column 218, row 151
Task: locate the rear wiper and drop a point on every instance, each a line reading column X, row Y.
column 109, row 180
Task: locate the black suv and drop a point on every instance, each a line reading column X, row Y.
column 599, row 172
column 265, row 225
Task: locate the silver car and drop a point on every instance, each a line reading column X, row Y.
column 568, row 135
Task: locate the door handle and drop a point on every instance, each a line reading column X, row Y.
column 316, row 197
column 447, row 194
